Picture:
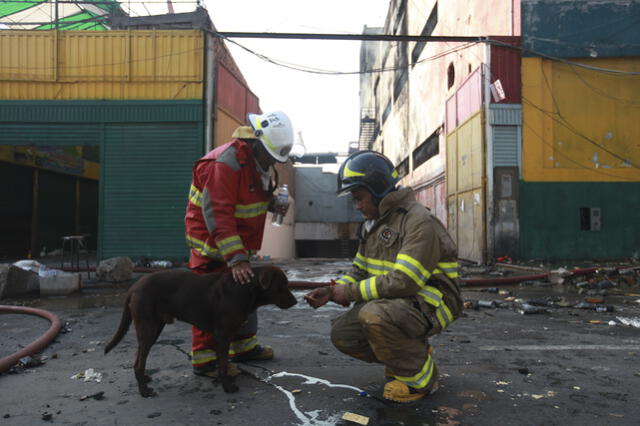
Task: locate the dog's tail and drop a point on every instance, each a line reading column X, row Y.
column 125, row 322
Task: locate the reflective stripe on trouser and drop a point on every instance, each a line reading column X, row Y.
column 203, row 347
column 389, row 331
column 203, row 344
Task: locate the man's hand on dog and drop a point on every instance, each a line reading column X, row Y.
column 320, row 296
column 242, row 272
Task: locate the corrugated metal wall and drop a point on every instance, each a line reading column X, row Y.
column 465, row 188
column 145, row 188
column 505, row 146
column 505, row 66
column 141, row 64
column 234, row 101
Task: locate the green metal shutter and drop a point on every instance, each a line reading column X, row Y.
column 146, row 173
column 49, row 134
column 505, row 146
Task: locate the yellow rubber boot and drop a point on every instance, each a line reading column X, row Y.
column 400, row 392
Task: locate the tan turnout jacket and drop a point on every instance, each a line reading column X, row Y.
column 407, row 254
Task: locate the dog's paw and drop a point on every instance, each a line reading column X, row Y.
column 230, row 387
column 147, row 392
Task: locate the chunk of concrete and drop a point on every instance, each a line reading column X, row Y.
column 60, row 284
column 116, row 269
column 15, row 281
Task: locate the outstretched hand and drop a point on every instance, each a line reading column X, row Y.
column 318, row 297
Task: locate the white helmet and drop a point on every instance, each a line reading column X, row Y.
column 275, row 132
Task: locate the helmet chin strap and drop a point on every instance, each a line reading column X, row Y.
column 258, row 152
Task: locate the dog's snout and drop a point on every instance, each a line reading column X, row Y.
column 287, row 300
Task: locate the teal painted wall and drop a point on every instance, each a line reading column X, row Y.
column 550, row 220
column 580, row 28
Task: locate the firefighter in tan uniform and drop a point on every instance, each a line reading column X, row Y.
column 404, row 281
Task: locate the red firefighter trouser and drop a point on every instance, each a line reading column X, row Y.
column 203, row 344
column 392, row 332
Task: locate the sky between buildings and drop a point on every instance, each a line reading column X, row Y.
column 324, row 108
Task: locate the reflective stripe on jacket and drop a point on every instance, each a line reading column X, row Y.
column 227, row 206
column 407, row 253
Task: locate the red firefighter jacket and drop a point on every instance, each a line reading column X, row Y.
column 227, row 206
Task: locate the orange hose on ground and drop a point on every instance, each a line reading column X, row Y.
column 41, row 342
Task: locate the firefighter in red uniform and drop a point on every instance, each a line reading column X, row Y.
column 231, row 192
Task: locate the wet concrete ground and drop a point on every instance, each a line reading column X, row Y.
column 497, row 367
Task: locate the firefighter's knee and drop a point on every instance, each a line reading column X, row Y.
column 371, row 315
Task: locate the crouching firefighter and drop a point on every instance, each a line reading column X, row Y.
column 404, row 280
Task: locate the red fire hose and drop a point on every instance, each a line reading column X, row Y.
column 469, row 282
column 42, row 341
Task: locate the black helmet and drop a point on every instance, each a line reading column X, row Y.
column 369, row 169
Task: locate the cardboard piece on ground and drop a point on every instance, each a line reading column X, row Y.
column 355, row 418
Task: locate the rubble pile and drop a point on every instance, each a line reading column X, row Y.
column 599, row 290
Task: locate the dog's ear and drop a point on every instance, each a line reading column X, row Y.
column 265, row 276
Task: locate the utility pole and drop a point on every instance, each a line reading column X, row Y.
column 56, row 15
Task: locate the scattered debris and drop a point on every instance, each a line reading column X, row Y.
column 89, row 375
column 632, row 321
column 549, row 394
column 527, row 309
column 594, row 306
column 559, row 275
column 97, row 396
column 355, row 418
column 31, row 361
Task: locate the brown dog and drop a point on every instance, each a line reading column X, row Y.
column 212, row 302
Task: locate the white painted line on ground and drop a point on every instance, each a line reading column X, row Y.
column 309, row 418
column 562, row 348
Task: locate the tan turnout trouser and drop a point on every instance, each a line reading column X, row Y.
column 392, row 332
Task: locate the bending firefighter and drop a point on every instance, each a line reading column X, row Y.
column 231, row 192
column 403, row 282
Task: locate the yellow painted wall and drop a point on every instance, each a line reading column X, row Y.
column 225, row 126
column 465, row 188
column 580, row 125
column 122, row 65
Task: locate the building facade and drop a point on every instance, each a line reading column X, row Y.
column 497, row 134
column 146, row 103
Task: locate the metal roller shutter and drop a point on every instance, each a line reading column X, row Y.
column 146, row 173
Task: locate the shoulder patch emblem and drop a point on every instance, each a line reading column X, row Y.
column 386, row 234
